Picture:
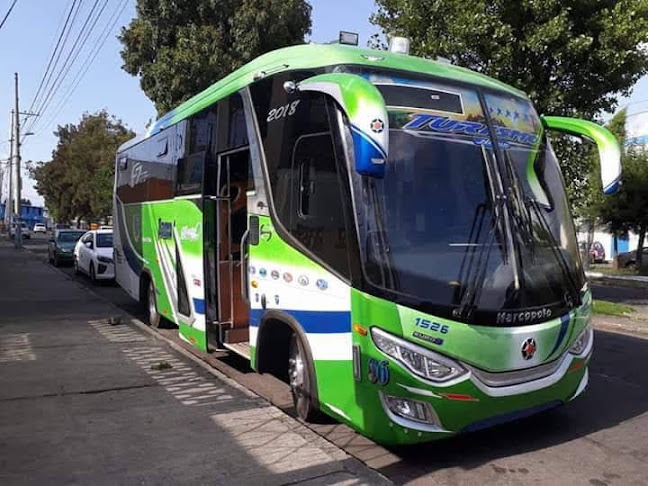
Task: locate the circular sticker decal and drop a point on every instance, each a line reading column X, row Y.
column 377, row 125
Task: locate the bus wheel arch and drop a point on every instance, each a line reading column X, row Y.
column 277, row 331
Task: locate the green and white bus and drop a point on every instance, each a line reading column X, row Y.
column 388, row 234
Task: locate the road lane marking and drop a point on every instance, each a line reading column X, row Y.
column 16, row 347
column 116, row 333
column 179, row 380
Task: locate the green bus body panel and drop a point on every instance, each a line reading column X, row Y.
column 186, row 217
column 311, row 56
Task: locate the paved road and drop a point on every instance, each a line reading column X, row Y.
column 84, row 401
column 600, row 439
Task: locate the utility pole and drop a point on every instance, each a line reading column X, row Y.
column 17, row 181
column 9, row 198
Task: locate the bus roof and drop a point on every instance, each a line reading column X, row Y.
column 308, row 56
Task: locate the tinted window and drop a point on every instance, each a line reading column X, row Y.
column 104, row 240
column 303, row 170
column 70, row 236
column 190, row 173
column 201, row 139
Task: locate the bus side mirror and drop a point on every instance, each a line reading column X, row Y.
column 365, row 108
column 608, row 147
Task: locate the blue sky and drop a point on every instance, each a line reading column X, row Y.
column 27, row 40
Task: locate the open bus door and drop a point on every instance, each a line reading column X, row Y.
column 228, row 219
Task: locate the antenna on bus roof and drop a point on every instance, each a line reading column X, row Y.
column 399, row 45
column 348, row 38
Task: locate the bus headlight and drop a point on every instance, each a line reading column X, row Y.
column 582, row 342
column 420, row 361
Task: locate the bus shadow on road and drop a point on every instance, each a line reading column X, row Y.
column 617, row 392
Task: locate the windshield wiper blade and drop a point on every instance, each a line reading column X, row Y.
column 575, row 300
column 476, row 278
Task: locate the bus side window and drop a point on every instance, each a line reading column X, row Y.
column 318, row 218
column 190, row 174
column 191, row 167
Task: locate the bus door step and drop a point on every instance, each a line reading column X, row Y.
column 237, row 335
column 242, row 349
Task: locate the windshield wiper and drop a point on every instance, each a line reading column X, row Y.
column 477, row 274
column 575, row 300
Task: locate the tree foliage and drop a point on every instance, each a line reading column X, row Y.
column 573, row 58
column 77, row 182
column 180, row 48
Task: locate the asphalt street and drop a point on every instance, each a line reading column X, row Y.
column 85, row 399
column 599, row 439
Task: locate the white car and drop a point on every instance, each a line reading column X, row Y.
column 93, row 255
column 40, row 228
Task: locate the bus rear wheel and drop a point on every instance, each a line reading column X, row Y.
column 154, row 317
column 301, row 381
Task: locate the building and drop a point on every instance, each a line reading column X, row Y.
column 29, row 215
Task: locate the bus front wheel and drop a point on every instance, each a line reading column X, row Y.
column 301, row 381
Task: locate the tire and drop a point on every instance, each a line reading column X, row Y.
column 56, row 260
column 301, row 381
column 154, row 317
column 93, row 276
column 76, row 268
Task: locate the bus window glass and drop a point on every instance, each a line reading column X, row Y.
column 303, row 170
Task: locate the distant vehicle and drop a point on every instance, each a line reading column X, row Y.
column 597, row 253
column 40, row 228
column 24, row 231
column 629, row 258
column 105, row 227
column 61, row 226
column 93, row 255
column 61, row 246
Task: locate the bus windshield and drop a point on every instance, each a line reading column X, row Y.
column 437, row 234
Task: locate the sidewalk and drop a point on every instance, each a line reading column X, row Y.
column 83, row 401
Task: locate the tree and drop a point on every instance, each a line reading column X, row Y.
column 573, row 58
column 180, row 48
column 78, row 181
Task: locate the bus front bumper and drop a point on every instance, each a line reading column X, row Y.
column 414, row 410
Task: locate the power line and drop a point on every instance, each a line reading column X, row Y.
column 56, row 53
column 49, row 63
column 71, row 57
column 92, row 55
column 7, row 14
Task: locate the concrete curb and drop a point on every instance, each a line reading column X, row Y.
column 352, row 464
column 625, row 280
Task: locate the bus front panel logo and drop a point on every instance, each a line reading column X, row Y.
column 529, row 348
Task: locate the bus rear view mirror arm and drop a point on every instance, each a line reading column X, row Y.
column 365, row 108
column 608, row 147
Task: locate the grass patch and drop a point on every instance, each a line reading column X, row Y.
column 603, row 307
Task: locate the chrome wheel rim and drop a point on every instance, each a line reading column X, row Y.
column 296, row 369
column 151, row 304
